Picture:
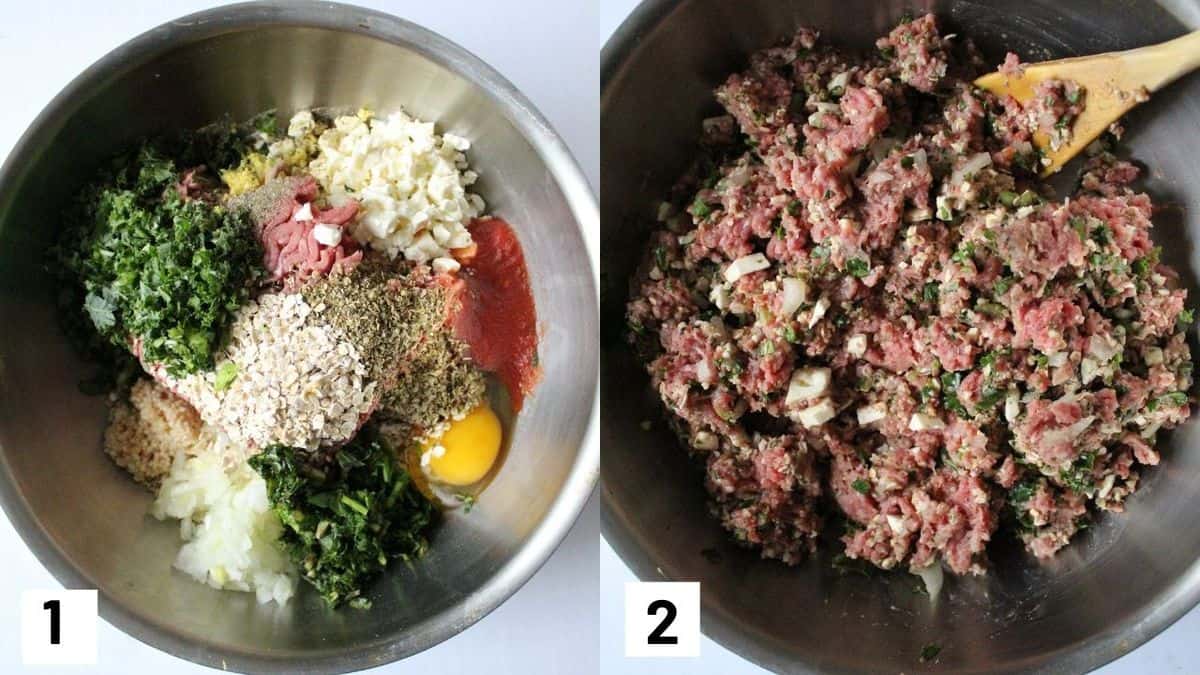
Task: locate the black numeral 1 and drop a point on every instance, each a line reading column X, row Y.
column 656, row 636
column 52, row 605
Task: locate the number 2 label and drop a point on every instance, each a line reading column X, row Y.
column 662, row 619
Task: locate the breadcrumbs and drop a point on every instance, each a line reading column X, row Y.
column 145, row 432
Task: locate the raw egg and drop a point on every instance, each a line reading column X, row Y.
column 466, row 451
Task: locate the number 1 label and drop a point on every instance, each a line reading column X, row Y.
column 662, row 619
column 58, row 627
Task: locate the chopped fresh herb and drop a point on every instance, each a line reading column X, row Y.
column 1185, row 319
column 1080, row 225
column 1102, row 234
column 931, row 291
column 1028, row 198
column 636, row 328
column 467, row 500
column 766, row 348
column 930, row 652
column 990, row 358
column 1172, row 400
column 1008, row 197
column 989, row 398
column 789, row 334
column 861, row 486
column 794, row 206
column 950, row 383
column 1041, row 361
column 1078, row 476
column 343, row 522
column 992, row 309
column 700, row 208
column 964, row 253
column 1073, row 95
column 226, row 374
column 660, row 258
column 1002, row 285
column 858, row 267
column 147, row 264
column 887, row 52
column 907, row 162
column 1022, row 492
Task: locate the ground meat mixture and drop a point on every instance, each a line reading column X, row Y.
column 860, row 302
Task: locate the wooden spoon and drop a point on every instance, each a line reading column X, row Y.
column 1113, row 83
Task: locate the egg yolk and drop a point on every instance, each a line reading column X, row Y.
column 470, row 447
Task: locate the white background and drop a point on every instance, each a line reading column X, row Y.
column 548, row 49
column 1174, row 651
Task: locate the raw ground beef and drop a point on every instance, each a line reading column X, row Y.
column 861, row 301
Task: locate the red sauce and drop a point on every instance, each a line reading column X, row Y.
column 497, row 318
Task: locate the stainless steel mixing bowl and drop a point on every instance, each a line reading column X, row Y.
column 1120, row 584
column 87, row 522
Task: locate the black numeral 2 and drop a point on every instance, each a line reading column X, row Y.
column 656, row 635
column 53, row 605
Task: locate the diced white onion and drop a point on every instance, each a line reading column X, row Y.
column 795, row 294
column 705, row 440
column 896, row 524
column 916, row 215
column 933, row 578
column 816, row 415
column 869, row 414
column 1103, row 347
column 807, row 384
column 920, row 159
column 876, row 177
column 818, row 311
column 719, row 296
column 856, row 346
column 1012, row 406
column 973, row 164
column 925, row 422
column 838, row 80
column 745, row 265
column 1153, row 356
column 825, row 106
column 1088, row 369
column 445, row 265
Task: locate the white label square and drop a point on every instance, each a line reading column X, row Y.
column 662, row 619
column 58, row 627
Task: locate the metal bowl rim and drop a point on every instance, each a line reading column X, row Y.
column 533, row 126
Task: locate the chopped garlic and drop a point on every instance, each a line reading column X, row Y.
column 445, row 265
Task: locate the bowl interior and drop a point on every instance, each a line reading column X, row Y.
column 88, row 522
column 1117, row 585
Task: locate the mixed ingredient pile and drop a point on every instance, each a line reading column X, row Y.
column 297, row 330
column 866, row 314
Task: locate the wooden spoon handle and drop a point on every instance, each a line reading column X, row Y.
column 1161, row 64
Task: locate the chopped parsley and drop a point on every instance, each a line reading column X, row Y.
column 1078, row 476
column 931, row 291
column 1172, row 400
column 700, row 208
column 858, row 267
column 145, row 263
column 930, row 652
column 1002, row 285
column 660, row 258
column 950, row 383
column 861, row 486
